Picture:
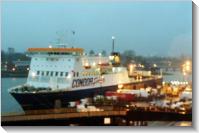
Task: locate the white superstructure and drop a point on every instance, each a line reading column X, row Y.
column 69, row 69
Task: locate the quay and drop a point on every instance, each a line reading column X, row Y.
column 119, row 116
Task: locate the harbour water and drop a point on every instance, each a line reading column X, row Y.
column 177, row 76
column 9, row 105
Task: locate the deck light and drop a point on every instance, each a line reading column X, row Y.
column 69, row 76
column 33, row 74
column 120, row 86
column 13, row 69
column 94, row 64
column 107, row 121
column 86, row 64
column 111, row 57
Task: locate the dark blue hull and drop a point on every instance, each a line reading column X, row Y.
column 30, row 101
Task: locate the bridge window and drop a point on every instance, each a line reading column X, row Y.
column 74, row 74
column 66, row 74
column 38, row 72
column 61, row 74
column 47, row 73
column 51, row 73
column 56, row 74
column 77, row 74
column 42, row 73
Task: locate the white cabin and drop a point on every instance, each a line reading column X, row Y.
column 69, row 69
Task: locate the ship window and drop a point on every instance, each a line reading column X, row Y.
column 56, row 74
column 38, row 72
column 66, row 74
column 61, row 74
column 74, row 74
column 47, row 73
column 51, row 73
column 77, row 74
column 42, row 73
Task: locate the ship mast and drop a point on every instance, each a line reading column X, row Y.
column 113, row 44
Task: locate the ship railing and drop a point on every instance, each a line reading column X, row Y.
column 27, row 88
column 31, row 89
column 60, row 89
column 39, row 54
column 141, row 80
column 13, row 89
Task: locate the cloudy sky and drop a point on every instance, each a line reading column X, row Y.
column 148, row 28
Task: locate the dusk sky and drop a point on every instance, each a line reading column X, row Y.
column 148, row 28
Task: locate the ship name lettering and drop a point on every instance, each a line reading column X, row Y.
column 82, row 82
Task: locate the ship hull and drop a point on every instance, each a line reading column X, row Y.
column 49, row 100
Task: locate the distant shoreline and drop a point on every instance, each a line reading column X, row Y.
column 7, row 74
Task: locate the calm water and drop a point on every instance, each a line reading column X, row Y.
column 177, row 76
column 9, row 105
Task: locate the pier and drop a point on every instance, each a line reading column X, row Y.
column 112, row 116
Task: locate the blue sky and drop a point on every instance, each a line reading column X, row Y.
column 148, row 28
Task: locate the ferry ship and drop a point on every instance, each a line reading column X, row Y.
column 61, row 74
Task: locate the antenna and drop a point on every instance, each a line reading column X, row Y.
column 73, row 37
column 61, row 36
column 63, row 39
column 113, row 43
